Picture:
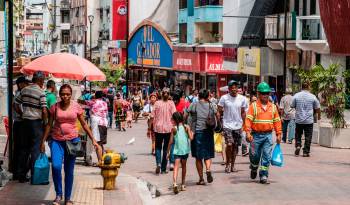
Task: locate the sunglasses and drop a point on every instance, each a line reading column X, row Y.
column 265, row 93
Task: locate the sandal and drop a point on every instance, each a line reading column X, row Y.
column 233, row 169
column 209, row 177
column 57, row 200
column 175, row 189
column 183, row 187
column 201, row 182
column 68, row 202
column 227, row 169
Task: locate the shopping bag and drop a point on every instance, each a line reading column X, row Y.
column 277, row 156
column 218, row 142
column 41, row 170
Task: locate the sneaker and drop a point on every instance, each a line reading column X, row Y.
column 209, row 177
column 171, row 167
column 297, row 151
column 253, row 173
column 158, row 170
column 175, row 189
column 245, row 153
column 290, row 142
column 263, row 180
column 164, row 172
column 306, row 155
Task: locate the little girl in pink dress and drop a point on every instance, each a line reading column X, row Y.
column 129, row 116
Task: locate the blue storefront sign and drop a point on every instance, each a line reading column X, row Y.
column 150, row 44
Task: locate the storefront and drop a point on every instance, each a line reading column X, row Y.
column 150, row 55
column 249, row 66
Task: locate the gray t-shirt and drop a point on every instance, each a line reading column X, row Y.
column 199, row 112
column 304, row 103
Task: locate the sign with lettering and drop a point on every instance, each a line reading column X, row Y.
column 149, row 45
column 249, row 61
column 119, row 16
column 186, row 61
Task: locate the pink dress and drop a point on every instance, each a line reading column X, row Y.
column 129, row 115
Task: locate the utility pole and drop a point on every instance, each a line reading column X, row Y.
column 127, row 49
column 285, row 48
column 10, row 79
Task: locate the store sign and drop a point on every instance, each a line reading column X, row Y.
column 149, row 45
column 186, row 61
column 249, row 61
column 214, row 62
column 119, row 19
column 229, row 53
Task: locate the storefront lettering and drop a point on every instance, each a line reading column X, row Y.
column 147, row 48
column 250, row 61
column 213, row 66
column 184, row 61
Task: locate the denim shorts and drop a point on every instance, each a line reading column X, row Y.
column 182, row 157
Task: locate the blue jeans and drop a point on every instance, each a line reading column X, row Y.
column 110, row 119
column 261, row 147
column 162, row 142
column 59, row 156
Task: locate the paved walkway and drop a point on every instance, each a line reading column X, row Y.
column 324, row 178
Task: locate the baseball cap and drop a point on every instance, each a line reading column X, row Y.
column 232, row 82
column 39, row 75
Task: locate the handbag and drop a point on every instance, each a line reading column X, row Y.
column 212, row 122
column 74, row 147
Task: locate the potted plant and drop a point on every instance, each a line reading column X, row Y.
column 328, row 84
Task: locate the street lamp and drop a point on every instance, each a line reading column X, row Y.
column 91, row 19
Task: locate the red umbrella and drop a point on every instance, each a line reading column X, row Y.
column 65, row 65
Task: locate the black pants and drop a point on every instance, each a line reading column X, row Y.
column 307, row 129
column 162, row 142
column 29, row 146
column 17, row 127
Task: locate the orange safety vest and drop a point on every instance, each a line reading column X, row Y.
column 260, row 120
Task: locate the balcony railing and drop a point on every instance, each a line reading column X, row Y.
column 274, row 26
column 310, row 28
column 65, row 5
column 209, row 3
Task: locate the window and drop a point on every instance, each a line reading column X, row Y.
column 312, row 7
column 209, row 2
column 183, row 32
column 101, row 14
column 296, row 7
column 65, row 17
column 107, row 14
column 183, row 4
column 65, row 37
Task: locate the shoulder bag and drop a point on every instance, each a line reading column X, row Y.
column 73, row 148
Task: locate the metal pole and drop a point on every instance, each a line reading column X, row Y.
column 10, row 79
column 90, row 42
column 285, row 49
column 127, row 51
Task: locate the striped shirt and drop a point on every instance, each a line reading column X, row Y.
column 32, row 99
column 304, row 103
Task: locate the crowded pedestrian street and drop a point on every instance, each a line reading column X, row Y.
column 322, row 179
column 174, row 102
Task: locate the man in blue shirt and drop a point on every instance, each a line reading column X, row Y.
column 305, row 104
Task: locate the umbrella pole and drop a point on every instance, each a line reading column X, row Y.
column 85, row 84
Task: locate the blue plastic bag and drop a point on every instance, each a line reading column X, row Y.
column 277, row 156
column 41, row 170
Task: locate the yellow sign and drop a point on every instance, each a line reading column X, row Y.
column 249, row 61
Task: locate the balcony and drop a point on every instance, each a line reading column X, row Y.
column 65, row 5
column 208, row 13
column 208, row 33
column 274, row 31
column 310, row 34
column 274, row 27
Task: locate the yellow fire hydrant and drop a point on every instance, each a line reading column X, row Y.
column 111, row 162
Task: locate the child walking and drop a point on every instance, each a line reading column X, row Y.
column 129, row 116
column 181, row 135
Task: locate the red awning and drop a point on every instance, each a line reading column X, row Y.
column 335, row 17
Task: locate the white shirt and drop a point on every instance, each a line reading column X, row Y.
column 232, row 106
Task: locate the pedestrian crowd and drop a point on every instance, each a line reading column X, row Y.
column 180, row 125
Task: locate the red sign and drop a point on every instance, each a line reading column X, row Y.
column 229, row 54
column 186, row 61
column 119, row 14
column 214, row 63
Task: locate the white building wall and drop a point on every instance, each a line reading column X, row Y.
column 233, row 26
column 93, row 9
column 140, row 10
column 326, row 60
